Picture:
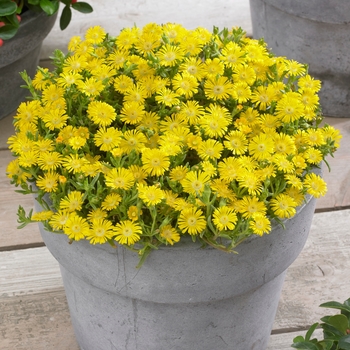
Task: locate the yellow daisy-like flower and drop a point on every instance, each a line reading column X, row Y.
column 119, row 178
column 313, row 155
column 151, row 195
column 260, row 224
column 251, row 181
column 59, row 219
column 210, row 149
column 90, row 86
column 250, row 206
column 42, row 215
column 170, row 234
column 308, row 82
column 192, row 221
column 168, row 55
column 194, row 182
column 48, row 182
column 15, row 172
column 49, row 160
column 101, row 113
column 236, row 142
column 111, row 201
column 283, row 206
column 193, row 66
column 127, row 232
column 95, row 35
column 261, row 147
column 289, row 108
column 315, row 185
column 76, row 227
column 213, row 67
column 132, row 113
column 155, row 161
column 218, row 89
column 134, row 213
column 55, row 119
column 101, row 230
column 74, row 163
column 72, row 202
column 107, row 139
column 167, row 97
column 185, row 84
column 224, row 218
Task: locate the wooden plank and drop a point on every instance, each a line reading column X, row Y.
column 10, row 236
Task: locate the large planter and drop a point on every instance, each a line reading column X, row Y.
column 314, row 32
column 21, row 53
column 184, row 297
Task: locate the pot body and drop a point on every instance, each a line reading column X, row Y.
column 183, row 297
column 21, row 53
column 315, row 32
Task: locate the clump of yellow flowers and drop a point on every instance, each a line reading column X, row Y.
column 163, row 132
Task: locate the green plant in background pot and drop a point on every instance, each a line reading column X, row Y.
column 24, row 24
column 147, row 147
column 336, row 330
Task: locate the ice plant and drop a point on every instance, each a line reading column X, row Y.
column 163, row 132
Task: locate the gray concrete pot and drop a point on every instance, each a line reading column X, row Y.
column 184, row 297
column 20, row 53
column 315, row 32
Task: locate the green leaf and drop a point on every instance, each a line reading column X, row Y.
column 310, row 331
column 336, row 305
column 326, row 344
column 50, row 7
column 82, row 7
column 65, row 17
column 344, row 343
column 298, row 339
column 7, row 32
column 7, row 8
column 305, row 346
column 340, row 322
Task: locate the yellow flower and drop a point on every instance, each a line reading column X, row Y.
column 155, row 161
column 213, row 67
column 260, row 224
column 192, row 220
column 283, row 206
column 101, row 113
column 134, row 213
column 48, row 182
column 132, row 113
column 169, row 55
column 111, row 201
column 76, row 227
column 236, row 142
column 218, row 88
column 101, row 230
column 42, row 215
column 119, row 178
column 289, row 108
column 95, row 35
column 194, row 182
column 224, row 218
column 250, row 206
column 167, row 97
column 315, row 185
column 15, row 172
column 90, row 86
column 107, row 139
column 127, row 232
column 170, row 234
column 210, row 149
column 151, row 195
column 72, row 202
column 185, row 84
column 59, row 219
column 261, row 147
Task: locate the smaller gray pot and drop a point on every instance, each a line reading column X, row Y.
column 20, row 53
column 315, row 32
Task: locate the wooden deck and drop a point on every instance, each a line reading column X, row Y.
column 33, row 308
